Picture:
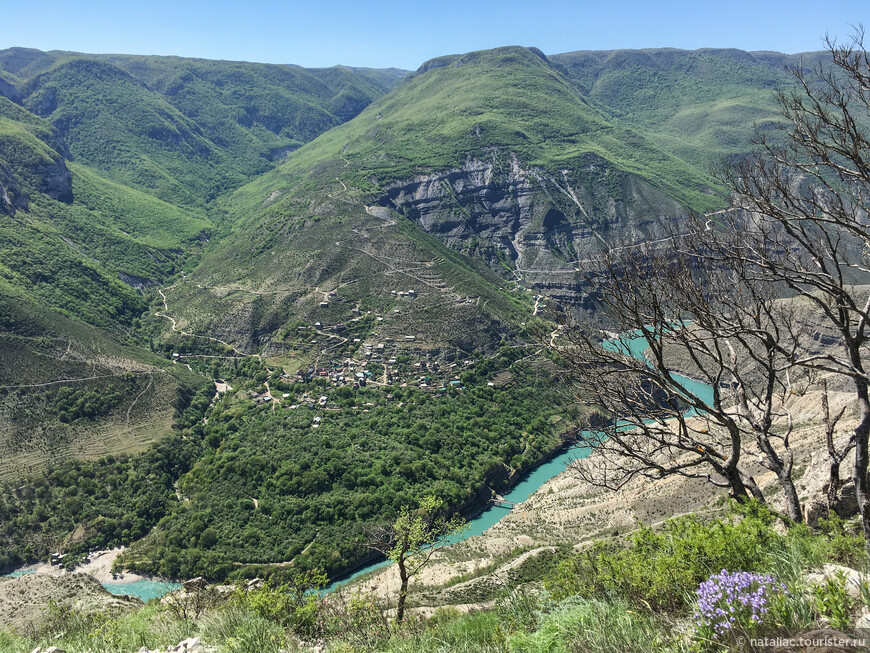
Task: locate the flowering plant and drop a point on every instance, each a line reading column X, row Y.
column 734, row 601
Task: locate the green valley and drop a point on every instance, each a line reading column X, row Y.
column 353, row 238
column 250, row 313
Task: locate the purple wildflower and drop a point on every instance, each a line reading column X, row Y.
column 730, row 598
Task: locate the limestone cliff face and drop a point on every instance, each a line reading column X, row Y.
column 28, row 167
column 47, row 175
column 7, row 90
column 55, row 180
column 532, row 225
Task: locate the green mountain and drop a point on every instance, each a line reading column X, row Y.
column 184, row 129
column 104, row 187
column 701, row 105
column 496, row 154
column 72, row 247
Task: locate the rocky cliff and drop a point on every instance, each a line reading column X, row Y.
column 55, row 179
column 533, row 225
column 25, row 601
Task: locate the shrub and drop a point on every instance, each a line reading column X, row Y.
column 833, row 602
column 662, row 568
column 290, row 605
column 844, row 541
column 357, row 621
column 519, row 610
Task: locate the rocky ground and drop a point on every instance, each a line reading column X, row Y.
column 25, row 600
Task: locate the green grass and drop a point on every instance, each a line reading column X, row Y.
column 133, row 214
column 589, row 625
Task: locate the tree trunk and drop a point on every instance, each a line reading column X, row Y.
column 834, row 486
column 742, row 486
column 783, row 469
column 862, row 431
column 836, row 459
column 749, row 483
column 792, row 501
column 403, row 591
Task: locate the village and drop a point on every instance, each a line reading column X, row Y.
column 359, row 358
column 383, row 364
column 336, row 360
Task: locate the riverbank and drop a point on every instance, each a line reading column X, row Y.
column 483, row 514
column 99, row 567
column 563, row 509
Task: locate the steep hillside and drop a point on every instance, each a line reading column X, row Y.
column 495, row 153
column 74, row 248
column 115, row 124
column 70, row 390
column 700, row 105
column 244, row 101
column 371, row 279
column 185, row 130
column 104, row 186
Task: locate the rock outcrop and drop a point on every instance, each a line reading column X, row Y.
column 532, row 225
column 7, row 90
column 30, row 167
column 139, row 283
column 55, row 180
column 851, row 578
column 190, row 645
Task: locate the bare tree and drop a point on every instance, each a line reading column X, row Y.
column 686, row 308
column 836, row 455
column 412, row 539
column 803, row 205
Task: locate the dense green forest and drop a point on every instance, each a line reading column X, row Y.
column 270, row 485
column 261, row 484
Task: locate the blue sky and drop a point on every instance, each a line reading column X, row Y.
column 405, row 34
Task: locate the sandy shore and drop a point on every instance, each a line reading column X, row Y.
column 100, row 567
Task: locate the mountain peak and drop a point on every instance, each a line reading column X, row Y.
column 508, row 53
